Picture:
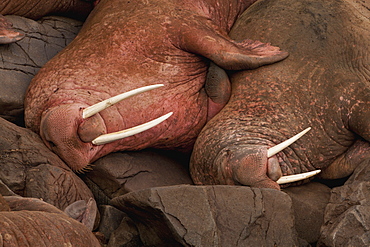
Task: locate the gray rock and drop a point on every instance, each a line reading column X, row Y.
column 30, row 169
column 187, row 215
column 309, row 202
column 119, row 173
column 347, row 216
column 110, row 219
column 20, row 61
column 126, row 235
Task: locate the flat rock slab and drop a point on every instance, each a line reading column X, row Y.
column 22, row 60
column 187, row 215
column 309, row 203
column 120, row 173
column 30, row 169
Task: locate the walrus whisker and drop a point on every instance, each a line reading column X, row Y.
column 107, row 138
column 96, row 108
column 87, row 168
column 297, row 177
column 275, row 149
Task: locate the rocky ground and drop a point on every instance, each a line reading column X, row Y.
column 147, row 198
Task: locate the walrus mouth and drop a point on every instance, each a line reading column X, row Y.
column 107, row 138
column 291, row 178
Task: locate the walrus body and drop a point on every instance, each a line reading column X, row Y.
column 124, row 45
column 324, row 84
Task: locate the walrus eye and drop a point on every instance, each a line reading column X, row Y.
column 51, row 144
column 94, row 109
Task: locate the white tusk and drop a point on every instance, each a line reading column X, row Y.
column 107, row 138
column 92, row 110
column 297, row 177
column 275, row 149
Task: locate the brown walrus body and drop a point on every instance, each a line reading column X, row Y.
column 124, row 45
column 324, row 84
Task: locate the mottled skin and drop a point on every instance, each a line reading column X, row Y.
column 35, row 9
column 324, row 84
column 32, row 222
column 124, row 45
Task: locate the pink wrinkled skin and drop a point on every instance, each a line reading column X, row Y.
column 124, row 45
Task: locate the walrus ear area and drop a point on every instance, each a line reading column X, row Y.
column 204, row 38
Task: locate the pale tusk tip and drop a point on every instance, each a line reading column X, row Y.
column 279, row 147
column 297, row 177
column 115, row 136
column 98, row 107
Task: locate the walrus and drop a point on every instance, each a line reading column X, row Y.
column 322, row 91
column 139, row 45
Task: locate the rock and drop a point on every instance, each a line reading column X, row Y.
column 30, row 169
column 110, row 219
column 20, row 61
column 309, row 202
column 119, row 173
column 126, row 235
column 186, row 215
column 347, row 215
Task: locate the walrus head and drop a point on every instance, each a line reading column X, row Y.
column 76, row 132
column 251, row 165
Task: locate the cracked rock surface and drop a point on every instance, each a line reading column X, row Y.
column 119, row 173
column 30, row 169
column 187, row 215
column 20, row 61
column 347, row 215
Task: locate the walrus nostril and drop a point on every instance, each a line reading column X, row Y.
column 94, row 109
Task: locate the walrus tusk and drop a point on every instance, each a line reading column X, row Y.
column 296, row 177
column 92, row 110
column 275, row 149
column 107, row 138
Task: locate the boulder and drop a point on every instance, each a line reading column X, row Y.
column 30, row 169
column 309, row 203
column 187, row 215
column 119, row 173
column 21, row 61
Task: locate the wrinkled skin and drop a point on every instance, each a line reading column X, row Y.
column 32, row 222
column 35, row 9
column 124, row 45
column 324, row 84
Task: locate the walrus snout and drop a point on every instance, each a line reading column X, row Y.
column 59, row 131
